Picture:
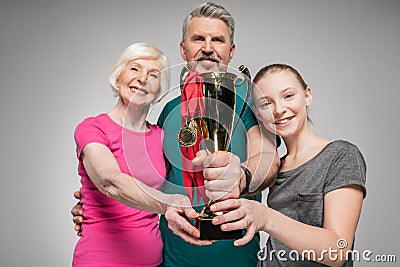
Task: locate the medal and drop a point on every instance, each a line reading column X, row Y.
column 187, row 135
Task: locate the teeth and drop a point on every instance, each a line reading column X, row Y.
column 209, row 60
column 282, row 121
column 139, row 90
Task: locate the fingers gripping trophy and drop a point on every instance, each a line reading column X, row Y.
column 209, row 119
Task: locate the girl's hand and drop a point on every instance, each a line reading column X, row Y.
column 243, row 214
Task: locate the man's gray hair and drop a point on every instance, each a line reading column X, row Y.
column 210, row 10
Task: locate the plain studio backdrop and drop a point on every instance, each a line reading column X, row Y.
column 55, row 57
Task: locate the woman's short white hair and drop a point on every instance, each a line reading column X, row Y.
column 141, row 51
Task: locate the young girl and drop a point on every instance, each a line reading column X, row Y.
column 314, row 206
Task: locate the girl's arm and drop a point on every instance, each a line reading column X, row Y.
column 342, row 208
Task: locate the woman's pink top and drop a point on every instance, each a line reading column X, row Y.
column 114, row 234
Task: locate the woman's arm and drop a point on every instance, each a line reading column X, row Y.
column 104, row 171
column 342, row 208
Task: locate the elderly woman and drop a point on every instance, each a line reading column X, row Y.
column 122, row 166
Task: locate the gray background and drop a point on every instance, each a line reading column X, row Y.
column 55, row 57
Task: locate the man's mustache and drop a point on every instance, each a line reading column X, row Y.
column 202, row 57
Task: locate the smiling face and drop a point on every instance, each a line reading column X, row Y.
column 208, row 42
column 281, row 103
column 139, row 82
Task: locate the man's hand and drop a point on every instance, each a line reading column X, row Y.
column 177, row 215
column 222, row 174
column 77, row 216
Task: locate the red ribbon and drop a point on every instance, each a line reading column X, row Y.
column 192, row 107
column 192, row 104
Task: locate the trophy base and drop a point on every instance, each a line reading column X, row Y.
column 209, row 231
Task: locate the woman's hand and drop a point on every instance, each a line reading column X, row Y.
column 178, row 214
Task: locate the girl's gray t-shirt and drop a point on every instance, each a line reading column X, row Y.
column 299, row 194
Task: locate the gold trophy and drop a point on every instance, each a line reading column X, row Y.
column 216, row 125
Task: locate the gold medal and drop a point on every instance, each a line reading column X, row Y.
column 187, row 135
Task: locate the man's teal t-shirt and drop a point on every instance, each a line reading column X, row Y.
column 177, row 252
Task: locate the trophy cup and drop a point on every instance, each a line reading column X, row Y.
column 214, row 125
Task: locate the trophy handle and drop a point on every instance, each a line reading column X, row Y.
column 246, row 79
column 184, row 72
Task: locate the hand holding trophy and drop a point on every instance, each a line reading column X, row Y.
column 209, row 119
